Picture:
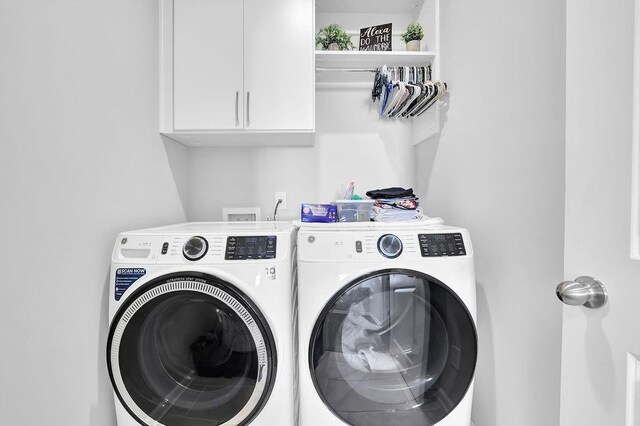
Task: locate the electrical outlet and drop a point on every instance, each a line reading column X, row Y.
column 282, row 196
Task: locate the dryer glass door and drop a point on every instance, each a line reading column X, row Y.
column 191, row 351
column 393, row 348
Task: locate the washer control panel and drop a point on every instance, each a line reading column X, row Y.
column 251, row 247
column 437, row 245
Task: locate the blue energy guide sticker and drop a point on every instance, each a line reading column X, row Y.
column 125, row 277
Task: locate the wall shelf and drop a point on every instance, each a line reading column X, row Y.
column 350, row 71
column 370, row 6
column 357, row 59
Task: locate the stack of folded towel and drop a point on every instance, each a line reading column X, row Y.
column 395, row 205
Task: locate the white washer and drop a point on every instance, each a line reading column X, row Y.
column 202, row 325
column 387, row 325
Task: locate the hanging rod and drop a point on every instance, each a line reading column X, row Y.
column 347, row 69
column 359, row 69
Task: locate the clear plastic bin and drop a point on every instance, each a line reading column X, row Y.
column 354, row 210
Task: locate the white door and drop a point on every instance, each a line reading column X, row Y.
column 279, row 65
column 208, row 64
column 600, row 346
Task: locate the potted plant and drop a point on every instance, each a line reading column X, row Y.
column 333, row 37
column 413, row 36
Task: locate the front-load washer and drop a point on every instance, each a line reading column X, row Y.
column 201, row 325
column 387, row 327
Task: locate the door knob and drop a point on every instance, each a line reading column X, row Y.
column 585, row 291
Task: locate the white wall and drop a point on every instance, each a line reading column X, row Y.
column 498, row 169
column 352, row 143
column 80, row 160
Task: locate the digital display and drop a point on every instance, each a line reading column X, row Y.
column 253, row 247
column 437, row 245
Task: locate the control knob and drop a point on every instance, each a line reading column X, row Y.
column 195, row 248
column 390, row 246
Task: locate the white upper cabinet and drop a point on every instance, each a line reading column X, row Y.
column 236, row 71
column 279, row 64
column 208, row 64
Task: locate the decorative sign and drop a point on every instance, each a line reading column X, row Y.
column 376, row 38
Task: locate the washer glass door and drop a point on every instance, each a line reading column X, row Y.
column 393, row 348
column 190, row 352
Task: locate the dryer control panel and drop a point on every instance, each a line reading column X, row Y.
column 387, row 244
column 437, row 245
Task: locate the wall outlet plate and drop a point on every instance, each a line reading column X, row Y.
column 242, row 214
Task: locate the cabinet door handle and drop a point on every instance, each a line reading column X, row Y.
column 248, row 109
column 237, row 107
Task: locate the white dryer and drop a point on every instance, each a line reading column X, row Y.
column 387, row 325
column 201, row 329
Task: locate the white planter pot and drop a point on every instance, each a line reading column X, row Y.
column 334, row 46
column 413, row 46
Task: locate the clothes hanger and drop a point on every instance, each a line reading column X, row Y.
column 407, row 91
column 432, row 91
column 396, row 94
column 402, row 93
column 415, row 91
column 442, row 90
column 386, row 75
column 420, row 90
column 423, row 99
column 391, row 92
column 376, row 90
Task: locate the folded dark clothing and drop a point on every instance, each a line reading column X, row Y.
column 390, row 193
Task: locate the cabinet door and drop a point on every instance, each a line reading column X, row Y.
column 279, row 65
column 208, row 64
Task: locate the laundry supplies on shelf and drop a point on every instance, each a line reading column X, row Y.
column 395, row 205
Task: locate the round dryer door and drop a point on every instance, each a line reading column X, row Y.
column 191, row 351
column 396, row 347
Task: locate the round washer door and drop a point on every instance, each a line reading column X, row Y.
column 191, row 350
column 396, row 347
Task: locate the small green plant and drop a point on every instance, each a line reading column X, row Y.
column 414, row 32
column 334, row 34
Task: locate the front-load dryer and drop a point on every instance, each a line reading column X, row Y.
column 387, row 327
column 201, row 325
